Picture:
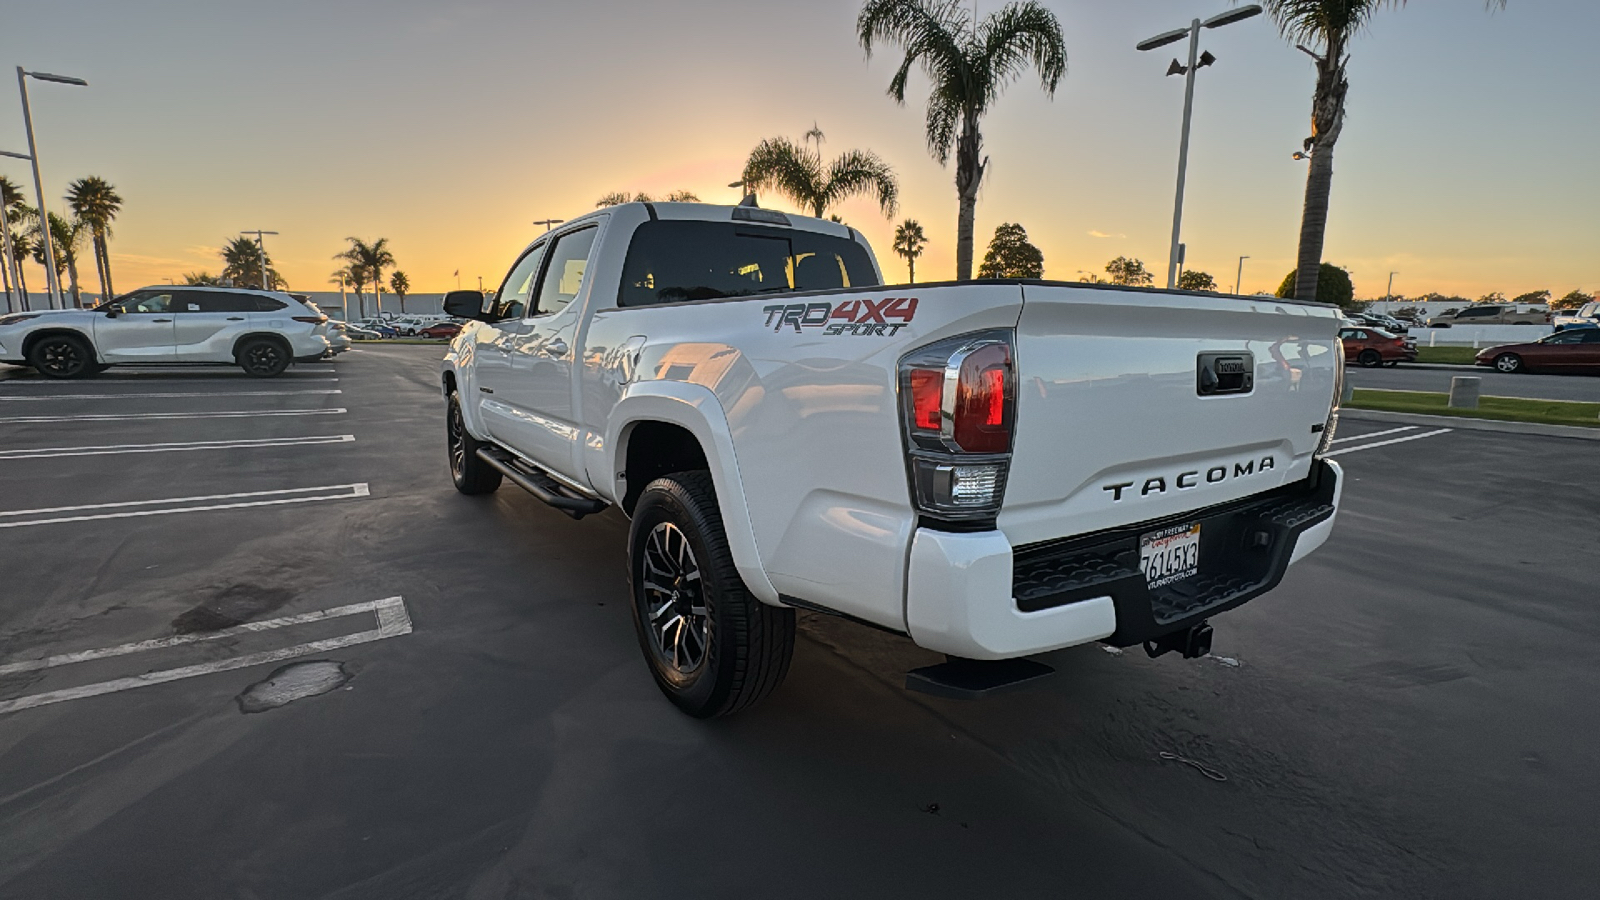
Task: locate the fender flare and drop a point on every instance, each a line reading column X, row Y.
column 696, row 409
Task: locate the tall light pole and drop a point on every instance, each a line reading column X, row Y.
column 261, row 247
column 1388, row 292
column 1238, row 277
column 547, row 223
column 12, row 264
column 56, row 300
column 1195, row 62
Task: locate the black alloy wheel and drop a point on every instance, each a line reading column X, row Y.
column 712, row 647
column 62, row 356
column 263, row 358
column 470, row 473
column 1370, row 358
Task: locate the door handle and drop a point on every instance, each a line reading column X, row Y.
column 236, row 318
column 557, row 347
column 161, row 320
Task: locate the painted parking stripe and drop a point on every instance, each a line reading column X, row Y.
column 1362, row 437
column 127, row 509
column 393, row 621
column 1398, row 440
column 113, row 449
column 229, row 414
column 136, row 382
column 174, row 395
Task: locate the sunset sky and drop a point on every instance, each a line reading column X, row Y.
column 1466, row 163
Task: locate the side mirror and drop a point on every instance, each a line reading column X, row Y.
column 465, row 304
column 112, row 313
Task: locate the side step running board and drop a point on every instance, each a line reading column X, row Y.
column 537, row 483
column 974, row 679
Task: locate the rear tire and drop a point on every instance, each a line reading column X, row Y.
column 63, row 356
column 469, row 472
column 1508, row 363
column 263, row 357
column 712, row 647
column 1370, row 358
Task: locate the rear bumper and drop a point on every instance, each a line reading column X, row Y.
column 974, row 595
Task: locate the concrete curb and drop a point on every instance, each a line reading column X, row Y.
column 1465, row 424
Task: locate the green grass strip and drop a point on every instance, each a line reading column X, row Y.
column 1505, row 409
column 1459, row 356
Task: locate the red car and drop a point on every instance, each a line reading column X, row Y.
column 1372, row 347
column 441, row 330
column 1568, row 350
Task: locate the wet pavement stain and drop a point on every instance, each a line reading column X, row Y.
column 295, row 681
column 232, row 606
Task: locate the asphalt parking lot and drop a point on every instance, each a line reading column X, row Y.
column 1406, row 377
column 1408, row 715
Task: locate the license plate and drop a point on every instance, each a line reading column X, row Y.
column 1170, row 555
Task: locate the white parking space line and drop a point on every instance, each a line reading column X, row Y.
column 229, row 414
column 112, row 449
column 393, row 621
column 166, row 396
column 126, row 510
column 1398, row 440
column 1362, row 437
column 137, row 382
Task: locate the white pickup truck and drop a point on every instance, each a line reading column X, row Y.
column 994, row 469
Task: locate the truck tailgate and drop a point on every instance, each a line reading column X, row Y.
column 1114, row 428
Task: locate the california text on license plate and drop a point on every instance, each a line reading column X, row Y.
column 1171, row 554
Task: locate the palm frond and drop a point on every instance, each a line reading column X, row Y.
column 781, row 165
column 1018, row 36
column 862, row 172
column 929, row 33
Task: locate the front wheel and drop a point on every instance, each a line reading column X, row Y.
column 263, row 358
column 1509, row 363
column 63, row 356
column 1370, row 358
column 712, row 647
column 468, row 470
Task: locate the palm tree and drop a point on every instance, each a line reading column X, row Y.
column 22, row 219
column 241, row 262
column 617, row 198
column 205, row 279
column 372, row 259
column 969, row 63
column 96, row 203
column 10, row 196
column 356, row 277
column 908, row 243
column 799, row 173
column 65, row 236
column 401, row 285
column 1328, row 25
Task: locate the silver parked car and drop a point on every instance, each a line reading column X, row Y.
column 262, row 332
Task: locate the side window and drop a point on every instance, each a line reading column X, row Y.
column 212, row 302
column 1591, row 335
column 259, row 303
column 148, row 302
column 564, row 275
column 1359, row 335
column 512, row 301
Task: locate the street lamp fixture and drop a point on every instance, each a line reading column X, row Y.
column 57, row 301
column 1196, row 61
column 548, row 223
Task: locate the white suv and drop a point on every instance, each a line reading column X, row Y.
column 260, row 331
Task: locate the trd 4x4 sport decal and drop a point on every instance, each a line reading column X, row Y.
column 849, row 317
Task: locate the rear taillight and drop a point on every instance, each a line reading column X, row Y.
column 315, row 320
column 1332, row 423
column 957, row 405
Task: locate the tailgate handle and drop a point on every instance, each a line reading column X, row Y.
column 1225, row 373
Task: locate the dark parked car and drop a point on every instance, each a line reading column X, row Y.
column 1373, row 347
column 1568, row 350
column 441, row 330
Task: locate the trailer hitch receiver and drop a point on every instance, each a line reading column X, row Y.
column 1193, row 642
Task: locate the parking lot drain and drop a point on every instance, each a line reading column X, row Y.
column 295, row 681
column 235, row 605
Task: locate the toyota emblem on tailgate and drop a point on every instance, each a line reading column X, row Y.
column 1225, row 373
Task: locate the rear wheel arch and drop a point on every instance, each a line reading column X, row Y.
column 241, row 340
column 654, row 448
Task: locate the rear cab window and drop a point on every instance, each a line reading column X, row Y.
column 676, row 261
